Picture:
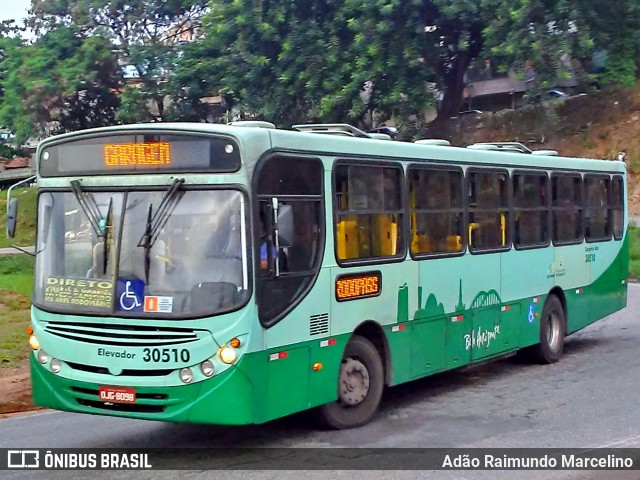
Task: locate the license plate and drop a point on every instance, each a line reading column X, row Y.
column 117, row 394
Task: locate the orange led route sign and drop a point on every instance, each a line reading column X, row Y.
column 359, row 285
column 147, row 154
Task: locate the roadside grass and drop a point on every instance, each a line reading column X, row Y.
column 16, row 273
column 26, row 228
column 16, row 285
column 634, row 252
column 14, row 319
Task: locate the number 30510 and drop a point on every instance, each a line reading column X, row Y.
column 165, row 355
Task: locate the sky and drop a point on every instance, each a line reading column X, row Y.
column 14, row 9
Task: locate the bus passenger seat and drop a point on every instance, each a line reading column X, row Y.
column 347, row 238
column 454, row 243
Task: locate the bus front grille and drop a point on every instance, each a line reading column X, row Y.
column 145, row 402
column 140, row 396
column 127, row 371
column 121, row 335
column 122, row 407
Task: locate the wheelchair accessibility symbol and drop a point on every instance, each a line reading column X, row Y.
column 130, row 295
column 532, row 313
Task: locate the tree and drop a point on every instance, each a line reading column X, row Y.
column 144, row 36
column 309, row 60
column 547, row 34
column 457, row 30
column 615, row 29
column 60, row 83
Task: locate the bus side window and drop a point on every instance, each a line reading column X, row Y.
column 436, row 210
column 368, row 209
column 488, row 226
column 566, row 208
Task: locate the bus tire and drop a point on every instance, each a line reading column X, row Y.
column 553, row 326
column 360, row 385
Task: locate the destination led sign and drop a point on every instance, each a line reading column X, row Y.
column 140, row 153
column 361, row 285
column 137, row 154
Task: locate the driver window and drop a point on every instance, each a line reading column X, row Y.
column 296, row 183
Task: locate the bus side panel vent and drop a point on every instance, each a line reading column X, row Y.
column 319, row 324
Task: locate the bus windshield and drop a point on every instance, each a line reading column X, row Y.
column 172, row 252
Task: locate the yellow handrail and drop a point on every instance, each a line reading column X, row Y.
column 472, row 226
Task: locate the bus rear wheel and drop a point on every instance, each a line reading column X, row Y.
column 360, row 385
column 553, row 325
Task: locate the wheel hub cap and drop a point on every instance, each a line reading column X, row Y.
column 354, row 382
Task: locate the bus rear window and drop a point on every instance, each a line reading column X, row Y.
column 140, row 153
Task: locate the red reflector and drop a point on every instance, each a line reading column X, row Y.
column 282, row 355
column 332, row 341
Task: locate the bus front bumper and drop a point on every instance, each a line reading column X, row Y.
column 224, row 399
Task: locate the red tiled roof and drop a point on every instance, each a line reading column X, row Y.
column 19, row 162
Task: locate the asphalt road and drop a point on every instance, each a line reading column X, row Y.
column 589, row 399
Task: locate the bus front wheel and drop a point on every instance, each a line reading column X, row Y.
column 360, row 385
column 553, row 325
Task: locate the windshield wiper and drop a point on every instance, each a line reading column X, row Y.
column 157, row 220
column 90, row 208
column 101, row 225
column 107, row 239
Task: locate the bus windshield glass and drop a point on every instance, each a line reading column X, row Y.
column 173, row 252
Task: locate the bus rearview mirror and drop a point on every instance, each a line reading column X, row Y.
column 285, row 225
column 12, row 217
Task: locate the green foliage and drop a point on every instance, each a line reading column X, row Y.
column 132, row 108
column 144, row 35
column 7, row 151
column 292, row 62
column 61, row 83
column 614, row 28
column 358, row 61
column 542, row 41
column 621, row 70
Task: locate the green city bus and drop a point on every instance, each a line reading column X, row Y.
column 234, row 274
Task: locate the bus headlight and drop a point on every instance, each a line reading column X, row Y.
column 227, row 354
column 207, row 368
column 186, row 375
column 56, row 365
column 42, row 356
column 34, row 343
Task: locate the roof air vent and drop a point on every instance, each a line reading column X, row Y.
column 252, row 123
column 434, row 141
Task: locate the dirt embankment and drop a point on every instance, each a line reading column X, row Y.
column 596, row 125
column 15, row 389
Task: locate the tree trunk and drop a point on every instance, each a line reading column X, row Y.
column 452, row 100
